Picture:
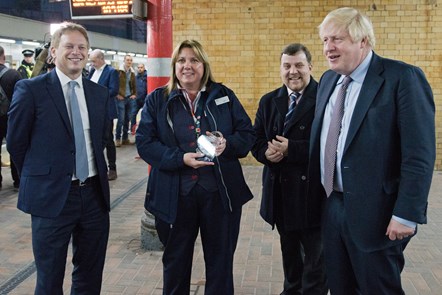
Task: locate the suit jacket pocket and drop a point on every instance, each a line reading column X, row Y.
column 36, row 170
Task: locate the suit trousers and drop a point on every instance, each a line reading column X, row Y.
column 351, row 270
column 202, row 211
column 85, row 219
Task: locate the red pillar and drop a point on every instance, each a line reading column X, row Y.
column 159, row 42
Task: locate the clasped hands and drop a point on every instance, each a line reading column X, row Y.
column 277, row 149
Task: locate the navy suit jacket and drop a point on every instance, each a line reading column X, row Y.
column 389, row 153
column 41, row 142
column 110, row 79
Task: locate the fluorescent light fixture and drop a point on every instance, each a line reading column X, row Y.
column 121, row 53
column 138, row 55
column 54, row 27
column 7, row 41
column 31, row 43
column 111, row 52
column 131, row 54
column 145, row 55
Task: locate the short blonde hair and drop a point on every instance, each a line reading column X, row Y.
column 352, row 20
column 67, row 27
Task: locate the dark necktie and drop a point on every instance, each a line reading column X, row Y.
column 331, row 144
column 293, row 97
column 81, row 159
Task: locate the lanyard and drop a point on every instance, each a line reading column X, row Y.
column 196, row 110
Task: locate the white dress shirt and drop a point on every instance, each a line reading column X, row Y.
column 64, row 80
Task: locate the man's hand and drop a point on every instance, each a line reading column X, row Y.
column 190, row 159
column 119, row 97
column 277, row 149
column 281, row 144
column 397, row 230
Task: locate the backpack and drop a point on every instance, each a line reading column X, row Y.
column 4, row 100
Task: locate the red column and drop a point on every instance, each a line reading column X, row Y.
column 159, row 42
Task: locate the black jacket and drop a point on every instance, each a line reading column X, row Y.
column 287, row 180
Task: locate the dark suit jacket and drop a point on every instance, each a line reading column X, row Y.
column 110, row 79
column 388, row 159
column 40, row 141
column 287, row 180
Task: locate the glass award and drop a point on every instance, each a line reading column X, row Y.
column 207, row 144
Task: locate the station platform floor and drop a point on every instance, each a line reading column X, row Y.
column 131, row 270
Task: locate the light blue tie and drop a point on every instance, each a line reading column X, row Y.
column 81, row 160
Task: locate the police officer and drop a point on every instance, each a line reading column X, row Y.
column 27, row 66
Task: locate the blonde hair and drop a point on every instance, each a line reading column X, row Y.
column 352, row 20
column 67, row 27
column 200, row 54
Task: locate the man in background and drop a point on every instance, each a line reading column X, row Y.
column 141, row 95
column 7, row 81
column 107, row 76
column 125, row 101
column 282, row 125
column 27, row 65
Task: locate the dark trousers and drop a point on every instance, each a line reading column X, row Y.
column 3, row 130
column 199, row 210
column 302, row 261
column 111, row 151
column 85, row 220
column 351, row 270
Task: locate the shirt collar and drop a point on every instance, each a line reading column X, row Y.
column 101, row 68
column 358, row 75
column 65, row 79
column 289, row 91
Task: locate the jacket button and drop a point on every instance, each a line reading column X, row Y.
column 275, row 128
column 303, row 177
column 302, row 127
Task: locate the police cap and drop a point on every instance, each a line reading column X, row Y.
column 28, row 52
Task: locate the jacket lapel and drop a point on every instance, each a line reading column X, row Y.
column 103, row 75
column 281, row 106
column 56, row 93
column 305, row 104
column 370, row 87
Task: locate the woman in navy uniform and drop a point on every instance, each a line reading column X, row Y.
column 187, row 194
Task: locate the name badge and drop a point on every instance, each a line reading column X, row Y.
column 222, row 100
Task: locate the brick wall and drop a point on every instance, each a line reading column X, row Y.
column 244, row 39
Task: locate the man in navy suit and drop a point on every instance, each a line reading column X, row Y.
column 384, row 158
column 42, row 145
column 107, row 76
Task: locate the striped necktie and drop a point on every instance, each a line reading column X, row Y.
column 293, row 97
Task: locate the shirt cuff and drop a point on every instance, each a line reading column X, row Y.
column 405, row 222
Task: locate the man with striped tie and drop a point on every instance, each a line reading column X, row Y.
column 282, row 124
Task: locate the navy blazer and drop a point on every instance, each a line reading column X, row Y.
column 41, row 143
column 287, row 179
column 389, row 153
column 110, row 79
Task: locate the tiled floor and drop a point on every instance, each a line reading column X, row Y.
column 132, row 270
